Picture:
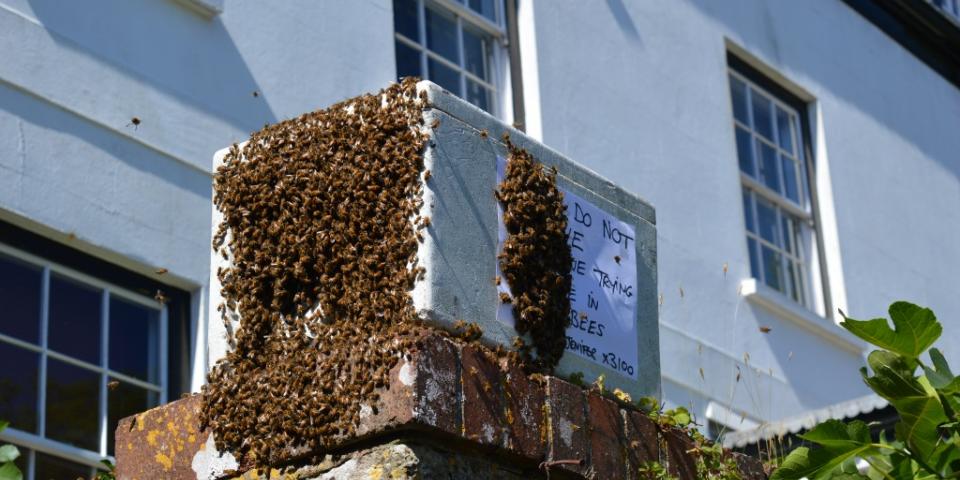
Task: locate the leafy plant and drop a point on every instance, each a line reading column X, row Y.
column 110, row 474
column 8, row 453
column 926, row 441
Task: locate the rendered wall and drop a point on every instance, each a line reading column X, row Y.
column 638, row 92
column 75, row 73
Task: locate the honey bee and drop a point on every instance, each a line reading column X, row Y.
column 484, row 133
column 616, row 258
column 161, row 271
column 161, row 297
column 426, row 175
column 135, row 121
column 256, row 94
column 113, row 384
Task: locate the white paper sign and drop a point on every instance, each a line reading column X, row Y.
column 603, row 297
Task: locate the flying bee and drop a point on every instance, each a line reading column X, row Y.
column 161, row 297
column 616, row 258
column 113, row 384
column 135, row 121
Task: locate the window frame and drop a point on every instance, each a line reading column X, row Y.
column 814, row 281
column 465, row 18
column 37, row 441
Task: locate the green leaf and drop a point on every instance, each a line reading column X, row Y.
column 3, row 425
column 839, row 442
column 915, row 329
column 8, row 453
column 10, row 471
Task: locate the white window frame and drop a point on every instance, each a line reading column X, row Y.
column 37, row 442
column 803, row 242
column 465, row 17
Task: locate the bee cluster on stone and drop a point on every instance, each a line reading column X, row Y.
column 321, row 224
column 536, row 257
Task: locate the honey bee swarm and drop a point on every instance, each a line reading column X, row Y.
column 318, row 213
column 536, row 257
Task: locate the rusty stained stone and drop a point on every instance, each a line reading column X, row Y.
column 568, row 428
column 606, row 438
column 483, row 409
column 641, row 444
column 524, row 400
column 676, row 444
column 750, row 468
column 160, row 443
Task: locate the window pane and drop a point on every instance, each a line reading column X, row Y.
column 767, row 217
column 18, row 387
column 72, row 397
column 56, row 468
column 752, row 249
column 745, row 152
column 738, row 92
column 792, row 277
column 478, row 95
column 748, row 211
column 787, row 223
column 408, row 61
column 791, row 181
column 74, row 328
column 768, row 166
column 20, row 285
column 405, row 19
column 475, row 54
column 444, row 76
column 125, row 400
column 485, row 8
column 762, row 118
column 785, row 130
column 134, row 340
column 772, row 269
column 442, row 35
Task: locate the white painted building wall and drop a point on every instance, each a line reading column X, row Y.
column 636, row 90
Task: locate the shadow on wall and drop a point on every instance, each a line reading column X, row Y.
column 787, row 34
column 164, row 45
column 622, row 16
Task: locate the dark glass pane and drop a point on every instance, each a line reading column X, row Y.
column 125, row 400
column 767, row 219
column 408, row 61
column 762, row 116
column 74, row 328
column 56, row 468
column 768, row 166
column 748, row 211
column 745, row 152
column 791, row 181
column 442, row 36
column 445, row 77
column 772, row 269
column 134, row 340
column 754, row 257
column 478, row 95
column 475, row 54
column 20, row 285
column 72, row 404
column 18, row 387
column 785, row 130
column 738, row 93
column 405, row 19
column 485, row 8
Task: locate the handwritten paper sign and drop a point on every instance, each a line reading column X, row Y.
column 603, row 297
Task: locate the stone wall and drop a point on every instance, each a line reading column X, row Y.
column 451, row 409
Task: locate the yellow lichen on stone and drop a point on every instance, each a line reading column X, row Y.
column 171, row 427
column 139, row 419
column 164, row 460
column 192, row 438
column 375, row 473
column 152, row 437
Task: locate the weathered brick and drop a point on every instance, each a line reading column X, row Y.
column 641, row 443
column 526, row 428
column 568, row 424
column 160, row 443
column 680, row 463
column 422, row 390
column 483, row 408
column 750, row 468
column 606, row 438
